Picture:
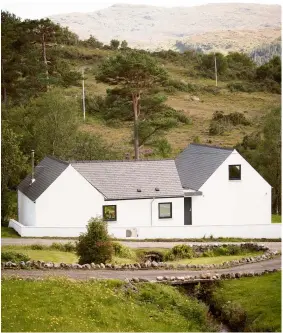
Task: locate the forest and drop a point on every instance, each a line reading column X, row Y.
column 139, row 104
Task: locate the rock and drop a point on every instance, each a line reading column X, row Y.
column 166, row 278
column 28, row 263
column 147, row 263
column 154, row 264
column 237, row 275
column 195, row 99
column 22, row 264
column 180, row 278
column 102, row 266
column 159, row 278
column 138, row 266
column 143, row 280
column 172, row 278
column 117, row 267
column 127, row 280
column 135, row 279
column 93, row 265
column 182, row 266
column 48, row 265
column 87, row 266
column 161, row 264
column 14, row 265
column 108, row 266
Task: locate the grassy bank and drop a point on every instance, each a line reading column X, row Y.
column 128, row 256
column 99, row 306
column 250, row 304
column 8, row 233
column 276, row 218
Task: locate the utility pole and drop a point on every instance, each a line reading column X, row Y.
column 83, row 83
column 215, row 65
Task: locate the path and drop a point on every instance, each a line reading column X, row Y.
column 46, row 241
column 147, row 274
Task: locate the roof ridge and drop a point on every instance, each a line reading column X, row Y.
column 208, row 146
column 57, row 159
column 111, row 161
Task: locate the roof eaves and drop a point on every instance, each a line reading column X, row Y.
column 208, row 146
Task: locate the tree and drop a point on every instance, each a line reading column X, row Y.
column 135, row 72
column 93, row 42
column 48, row 124
column 263, row 150
column 124, row 45
column 13, row 166
column 114, row 44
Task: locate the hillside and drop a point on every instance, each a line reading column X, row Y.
column 242, row 25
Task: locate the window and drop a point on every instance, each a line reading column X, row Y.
column 165, row 210
column 109, row 213
column 234, row 172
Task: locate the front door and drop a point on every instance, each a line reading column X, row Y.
column 188, row 211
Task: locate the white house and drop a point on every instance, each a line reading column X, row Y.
column 205, row 191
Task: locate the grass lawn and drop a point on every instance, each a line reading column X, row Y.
column 44, row 255
column 276, row 218
column 259, row 297
column 8, row 232
column 58, row 256
column 61, row 305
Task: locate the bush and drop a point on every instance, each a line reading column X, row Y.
column 14, row 256
column 180, row 252
column 95, row 245
column 37, row 247
column 67, row 247
column 216, row 128
column 122, row 251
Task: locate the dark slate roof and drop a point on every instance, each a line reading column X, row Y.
column 46, row 172
column 198, row 162
column 121, row 179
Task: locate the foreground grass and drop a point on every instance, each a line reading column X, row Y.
column 9, row 233
column 276, row 218
column 99, row 306
column 253, row 303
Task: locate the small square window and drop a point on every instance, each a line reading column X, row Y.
column 110, row 213
column 165, row 210
column 234, row 172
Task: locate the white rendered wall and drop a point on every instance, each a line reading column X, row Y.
column 182, row 232
column 233, row 202
column 68, row 202
column 26, row 210
column 144, row 212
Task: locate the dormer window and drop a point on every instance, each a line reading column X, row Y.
column 235, row 172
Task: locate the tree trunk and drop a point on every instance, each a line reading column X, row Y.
column 136, row 109
column 45, row 59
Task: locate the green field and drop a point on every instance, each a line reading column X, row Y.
column 251, row 304
column 62, row 305
column 276, row 218
column 8, row 233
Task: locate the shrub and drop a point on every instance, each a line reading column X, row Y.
column 67, row 247
column 235, row 315
column 94, row 245
column 37, row 247
column 14, row 256
column 180, row 252
column 122, row 251
column 216, row 128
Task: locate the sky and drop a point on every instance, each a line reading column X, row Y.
column 43, row 8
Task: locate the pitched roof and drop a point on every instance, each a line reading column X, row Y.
column 122, row 179
column 46, row 172
column 198, row 162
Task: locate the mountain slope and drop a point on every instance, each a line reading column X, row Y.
column 156, row 27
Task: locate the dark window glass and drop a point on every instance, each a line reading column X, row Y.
column 165, row 210
column 109, row 213
column 234, row 172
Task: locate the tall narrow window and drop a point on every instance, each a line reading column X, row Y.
column 165, row 210
column 110, row 213
column 234, row 172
